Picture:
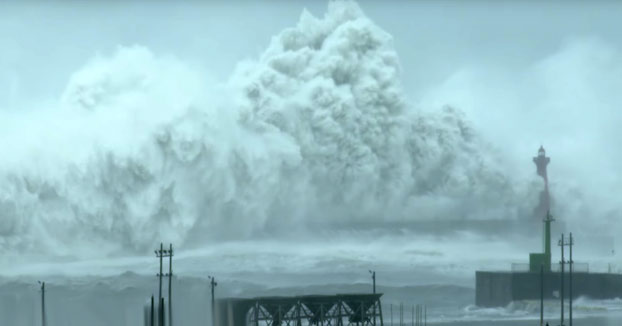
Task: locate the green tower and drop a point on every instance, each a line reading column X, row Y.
column 544, row 258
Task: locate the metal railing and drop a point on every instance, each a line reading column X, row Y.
column 576, row 267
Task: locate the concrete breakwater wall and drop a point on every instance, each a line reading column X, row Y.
column 495, row 289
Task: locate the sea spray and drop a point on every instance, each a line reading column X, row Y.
column 316, row 131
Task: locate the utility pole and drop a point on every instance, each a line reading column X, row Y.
column 161, row 254
column 562, row 243
column 152, row 320
column 42, row 303
column 570, row 263
column 213, row 285
column 401, row 314
column 373, row 278
column 170, row 285
column 417, row 315
column 161, row 318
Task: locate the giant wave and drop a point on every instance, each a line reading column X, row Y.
column 315, row 131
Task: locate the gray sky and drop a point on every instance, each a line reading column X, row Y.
column 44, row 42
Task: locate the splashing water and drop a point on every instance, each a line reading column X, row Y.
column 314, row 133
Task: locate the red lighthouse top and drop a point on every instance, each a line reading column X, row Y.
column 541, row 162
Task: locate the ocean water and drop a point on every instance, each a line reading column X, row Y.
column 119, row 300
column 412, row 268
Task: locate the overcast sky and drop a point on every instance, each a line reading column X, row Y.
column 43, row 43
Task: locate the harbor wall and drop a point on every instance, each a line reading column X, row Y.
column 495, row 289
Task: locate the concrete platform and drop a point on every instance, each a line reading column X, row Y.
column 496, row 289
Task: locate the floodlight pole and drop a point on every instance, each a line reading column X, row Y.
column 213, row 284
column 42, row 303
column 373, row 278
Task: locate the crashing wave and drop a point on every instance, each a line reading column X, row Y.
column 316, row 130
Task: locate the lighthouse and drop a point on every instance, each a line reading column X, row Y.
column 544, row 206
column 499, row 288
column 543, row 211
column 541, row 162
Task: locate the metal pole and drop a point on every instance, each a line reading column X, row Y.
column 339, row 316
column 562, row 282
column 298, row 319
column 161, row 312
column 213, row 285
column 542, row 295
column 42, row 303
column 570, row 280
column 417, row 315
column 152, row 321
column 401, row 314
column 373, row 276
column 380, row 313
column 362, row 314
column 170, row 285
column 391, row 308
column 160, row 275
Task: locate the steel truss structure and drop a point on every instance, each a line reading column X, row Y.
column 317, row 310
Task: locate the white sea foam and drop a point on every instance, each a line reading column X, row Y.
column 315, row 133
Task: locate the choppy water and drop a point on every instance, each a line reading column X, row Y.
column 118, row 300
